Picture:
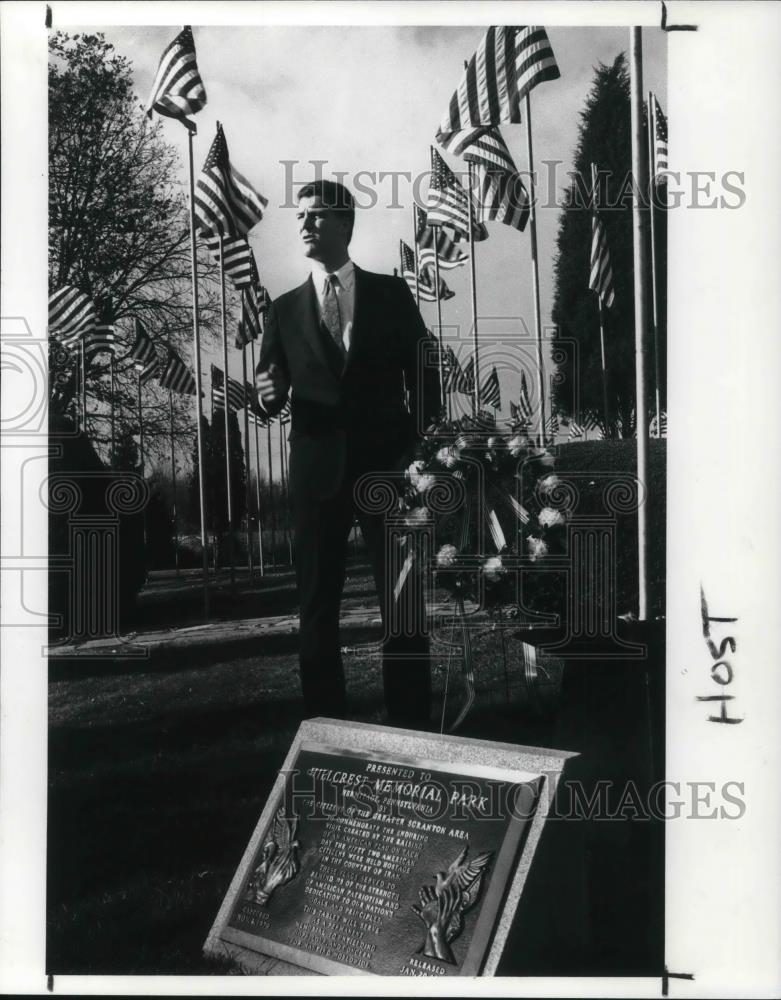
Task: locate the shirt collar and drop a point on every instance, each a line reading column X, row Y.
column 345, row 275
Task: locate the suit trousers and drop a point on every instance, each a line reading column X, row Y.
column 322, row 528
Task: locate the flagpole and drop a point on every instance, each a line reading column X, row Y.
column 83, row 386
column 140, row 426
column 415, row 244
column 113, row 414
column 535, row 265
column 271, row 504
column 472, row 255
column 257, row 479
column 283, row 488
column 601, row 315
column 173, row 480
column 248, row 464
column 654, row 294
column 226, row 413
column 198, row 380
column 639, row 243
column 439, row 325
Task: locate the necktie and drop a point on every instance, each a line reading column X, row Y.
column 331, row 316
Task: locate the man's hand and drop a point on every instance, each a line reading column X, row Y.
column 272, row 386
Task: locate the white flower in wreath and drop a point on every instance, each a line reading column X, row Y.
column 448, row 456
column 549, row 483
column 423, row 482
column 550, row 518
column 493, row 569
column 415, row 469
column 537, row 548
column 417, row 516
column 516, row 445
column 447, row 556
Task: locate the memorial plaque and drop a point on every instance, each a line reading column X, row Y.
column 387, row 852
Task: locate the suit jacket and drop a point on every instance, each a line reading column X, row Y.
column 352, row 414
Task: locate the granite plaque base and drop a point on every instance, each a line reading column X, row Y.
column 387, row 852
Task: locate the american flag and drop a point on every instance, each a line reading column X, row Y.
column 257, row 416
column 466, row 378
column 71, row 315
column 178, row 90
column 236, row 257
column 225, row 202
column 502, row 196
column 575, row 430
column 448, row 203
column 434, row 242
column 508, row 64
column 660, row 141
column 663, row 422
column 177, row 376
column 101, row 336
column 144, row 353
column 420, row 285
column 593, row 424
column 451, row 369
column 255, row 302
column 553, row 424
column 524, row 401
column 235, row 391
column 428, row 279
column 601, row 275
column 490, row 393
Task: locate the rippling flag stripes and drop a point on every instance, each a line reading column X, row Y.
column 452, row 370
column 524, row 400
column 225, row 202
column 601, row 275
column 490, row 393
column 553, row 424
column 71, row 315
column 660, row 141
column 466, row 379
column 144, row 353
column 421, row 286
column 507, row 65
column 178, row 90
column 447, row 203
column 428, row 280
column 235, row 391
column 255, row 302
column 434, row 242
column 501, row 196
column 575, row 430
column 101, row 336
column 177, row 376
column 236, row 257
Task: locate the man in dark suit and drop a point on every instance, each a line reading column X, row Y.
column 347, row 342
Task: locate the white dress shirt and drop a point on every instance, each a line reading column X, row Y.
column 345, row 294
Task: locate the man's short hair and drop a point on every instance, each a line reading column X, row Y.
column 334, row 196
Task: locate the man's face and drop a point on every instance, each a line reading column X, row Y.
column 324, row 233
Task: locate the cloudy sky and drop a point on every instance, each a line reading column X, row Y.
column 367, row 98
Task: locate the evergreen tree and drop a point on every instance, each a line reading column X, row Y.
column 605, row 140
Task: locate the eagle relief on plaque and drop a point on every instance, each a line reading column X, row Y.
column 442, row 905
column 279, row 864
